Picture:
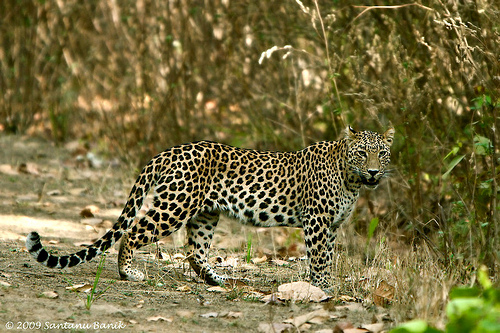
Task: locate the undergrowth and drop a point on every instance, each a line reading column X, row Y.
column 169, row 73
column 93, row 294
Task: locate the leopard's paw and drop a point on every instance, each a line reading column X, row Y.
column 132, row 275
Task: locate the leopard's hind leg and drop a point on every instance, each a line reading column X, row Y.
column 143, row 233
column 148, row 230
column 200, row 230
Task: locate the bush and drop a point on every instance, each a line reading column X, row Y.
column 133, row 78
column 471, row 310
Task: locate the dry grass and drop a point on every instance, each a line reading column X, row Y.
column 132, row 78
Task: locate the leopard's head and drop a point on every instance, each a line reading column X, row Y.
column 369, row 154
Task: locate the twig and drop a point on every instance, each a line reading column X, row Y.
column 367, row 8
column 29, row 273
column 325, row 39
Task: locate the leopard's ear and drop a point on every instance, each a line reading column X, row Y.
column 350, row 134
column 389, row 136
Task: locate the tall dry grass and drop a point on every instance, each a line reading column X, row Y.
column 136, row 77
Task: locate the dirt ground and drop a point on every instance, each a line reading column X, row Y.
column 70, row 197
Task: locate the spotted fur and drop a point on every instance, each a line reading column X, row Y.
column 315, row 188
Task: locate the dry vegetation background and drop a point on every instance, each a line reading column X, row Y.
column 131, row 78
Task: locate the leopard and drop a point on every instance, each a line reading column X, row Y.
column 315, row 188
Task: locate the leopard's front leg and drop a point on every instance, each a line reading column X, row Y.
column 319, row 238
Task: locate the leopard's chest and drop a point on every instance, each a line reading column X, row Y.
column 332, row 201
column 343, row 198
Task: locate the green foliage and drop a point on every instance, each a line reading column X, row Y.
column 415, row 326
column 59, row 125
column 235, row 293
column 470, row 310
column 169, row 73
column 469, row 193
column 473, row 309
column 93, row 294
column 371, row 229
column 248, row 257
column 452, row 165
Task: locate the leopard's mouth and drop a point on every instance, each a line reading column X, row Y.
column 371, row 182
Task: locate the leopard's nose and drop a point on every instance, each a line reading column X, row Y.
column 373, row 172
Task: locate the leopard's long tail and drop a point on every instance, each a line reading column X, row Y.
column 139, row 191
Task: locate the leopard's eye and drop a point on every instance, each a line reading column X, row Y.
column 382, row 153
column 362, row 153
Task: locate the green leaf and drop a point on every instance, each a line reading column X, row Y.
column 487, row 98
column 482, row 145
column 458, row 307
column 373, row 226
column 482, row 276
column 453, row 151
column 415, row 326
column 488, row 326
column 249, row 248
column 463, row 292
column 452, row 165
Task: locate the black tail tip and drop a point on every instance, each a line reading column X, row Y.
column 33, row 236
column 33, row 241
